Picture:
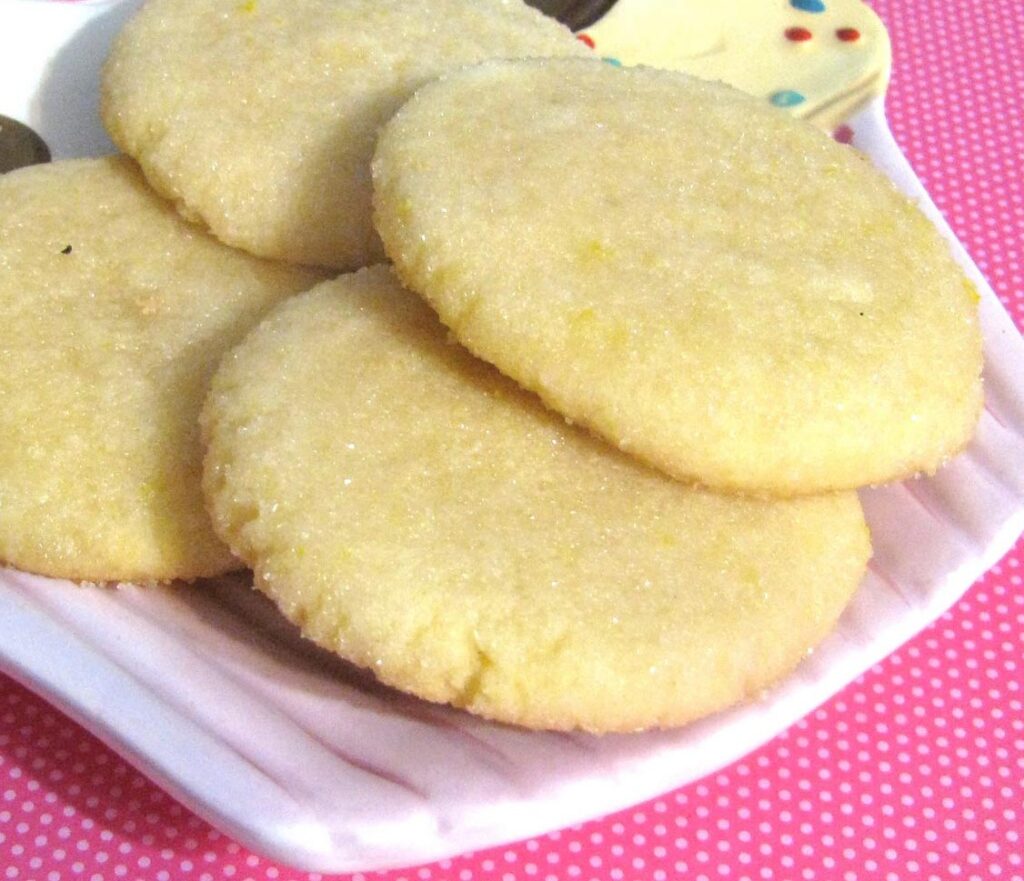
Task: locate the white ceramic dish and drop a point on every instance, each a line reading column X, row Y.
column 305, row 759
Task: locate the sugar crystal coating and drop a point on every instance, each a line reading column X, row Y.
column 114, row 313
column 416, row 512
column 259, row 119
column 717, row 288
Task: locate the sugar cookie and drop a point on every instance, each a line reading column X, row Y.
column 719, row 289
column 416, row 512
column 258, row 118
column 115, row 313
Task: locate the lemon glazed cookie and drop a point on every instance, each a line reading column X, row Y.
column 416, row 512
column 258, row 117
column 115, row 313
column 711, row 285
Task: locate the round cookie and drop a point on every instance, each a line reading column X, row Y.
column 419, row 514
column 115, row 313
column 715, row 287
column 258, row 117
column 819, row 59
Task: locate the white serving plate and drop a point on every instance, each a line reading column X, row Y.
column 304, row 758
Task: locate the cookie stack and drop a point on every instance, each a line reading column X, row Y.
column 584, row 455
column 257, row 119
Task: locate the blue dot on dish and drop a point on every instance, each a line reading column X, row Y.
column 787, row 98
column 614, row 62
column 808, row 5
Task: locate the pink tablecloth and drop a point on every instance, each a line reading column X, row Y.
column 914, row 771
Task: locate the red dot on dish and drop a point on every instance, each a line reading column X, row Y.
column 843, row 134
column 586, row 39
column 798, row 35
column 848, row 35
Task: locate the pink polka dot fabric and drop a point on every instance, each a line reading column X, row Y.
column 916, row 770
